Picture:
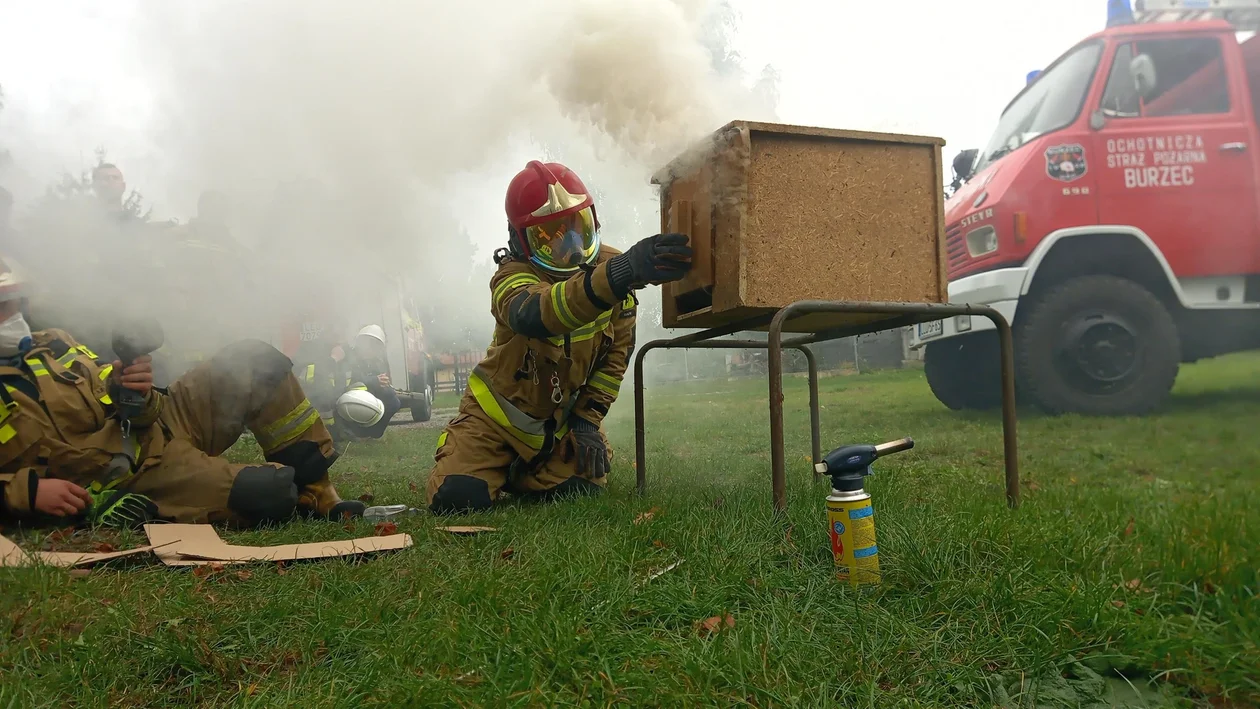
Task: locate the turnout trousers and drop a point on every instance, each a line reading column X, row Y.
column 477, row 461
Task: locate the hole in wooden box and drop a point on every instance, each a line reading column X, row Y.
column 694, row 300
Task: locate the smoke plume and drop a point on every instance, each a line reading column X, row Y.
column 361, row 142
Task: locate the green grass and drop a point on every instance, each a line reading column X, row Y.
column 1132, row 563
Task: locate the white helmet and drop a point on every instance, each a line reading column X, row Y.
column 373, row 331
column 361, row 407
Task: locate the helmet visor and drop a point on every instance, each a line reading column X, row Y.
column 565, row 243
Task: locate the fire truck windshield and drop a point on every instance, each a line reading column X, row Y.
column 1051, row 102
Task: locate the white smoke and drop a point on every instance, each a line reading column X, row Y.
column 357, row 140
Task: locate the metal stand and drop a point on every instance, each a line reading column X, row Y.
column 906, row 314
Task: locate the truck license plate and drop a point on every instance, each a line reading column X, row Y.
column 930, row 329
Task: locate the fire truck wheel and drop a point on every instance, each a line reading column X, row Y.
column 963, row 371
column 1098, row 345
column 422, row 408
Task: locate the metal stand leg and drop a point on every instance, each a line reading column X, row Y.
column 815, row 423
column 640, row 435
column 1009, row 445
column 778, row 466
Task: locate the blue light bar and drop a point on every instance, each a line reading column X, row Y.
column 1032, row 75
column 1119, row 12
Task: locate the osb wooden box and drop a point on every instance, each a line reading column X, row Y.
column 779, row 213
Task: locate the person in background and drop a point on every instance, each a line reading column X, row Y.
column 368, row 365
column 109, row 187
column 328, row 369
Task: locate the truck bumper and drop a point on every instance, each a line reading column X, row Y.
column 999, row 289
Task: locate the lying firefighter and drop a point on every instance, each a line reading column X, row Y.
column 530, row 421
column 351, row 390
column 61, row 441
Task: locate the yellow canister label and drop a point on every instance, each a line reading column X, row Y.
column 852, row 529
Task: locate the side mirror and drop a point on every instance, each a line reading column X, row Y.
column 1097, row 120
column 1142, row 69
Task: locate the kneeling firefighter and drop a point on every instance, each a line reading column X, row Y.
column 65, row 451
column 530, row 420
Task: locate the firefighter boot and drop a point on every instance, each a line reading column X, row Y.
column 320, row 499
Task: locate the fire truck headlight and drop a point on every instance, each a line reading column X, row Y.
column 982, row 241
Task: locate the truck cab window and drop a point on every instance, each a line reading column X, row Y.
column 1048, row 104
column 1190, row 79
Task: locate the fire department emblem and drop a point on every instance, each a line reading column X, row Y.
column 1066, row 163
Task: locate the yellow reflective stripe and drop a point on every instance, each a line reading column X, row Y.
column 512, row 282
column 9, row 404
column 361, row 387
column 560, row 306
column 289, row 427
column 67, row 359
column 606, row 383
column 105, row 372
column 442, row 439
column 585, row 332
column 7, row 432
column 106, row 400
column 310, row 372
column 86, row 351
column 628, row 303
column 37, row 367
column 481, row 392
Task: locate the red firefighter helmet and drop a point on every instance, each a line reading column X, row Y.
column 551, row 216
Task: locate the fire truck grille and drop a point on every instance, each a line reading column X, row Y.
column 955, row 247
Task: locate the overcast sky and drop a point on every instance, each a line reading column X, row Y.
column 914, row 66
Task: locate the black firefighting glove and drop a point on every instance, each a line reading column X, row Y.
column 654, row 260
column 124, row 510
column 592, row 454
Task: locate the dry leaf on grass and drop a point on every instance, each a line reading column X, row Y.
column 646, row 516
column 466, row 529
column 280, row 568
column 413, row 487
column 1033, row 486
column 1118, row 604
column 658, row 544
column 716, row 624
column 788, row 537
column 105, row 548
column 243, row 575
column 1209, row 588
column 1133, row 584
column 367, row 498
column 205, row 570
column 507, row 554
column 1128, row 528
column 80, row 573
column 384, row 529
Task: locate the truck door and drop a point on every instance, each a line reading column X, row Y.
column 1175, row 153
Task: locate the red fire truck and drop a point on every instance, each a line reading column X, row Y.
column 1112, row 218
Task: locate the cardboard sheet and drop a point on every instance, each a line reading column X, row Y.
column 12, row 555
column 194, row 544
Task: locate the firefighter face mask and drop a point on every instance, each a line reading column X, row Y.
column 562, row 245
column 15, row 336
